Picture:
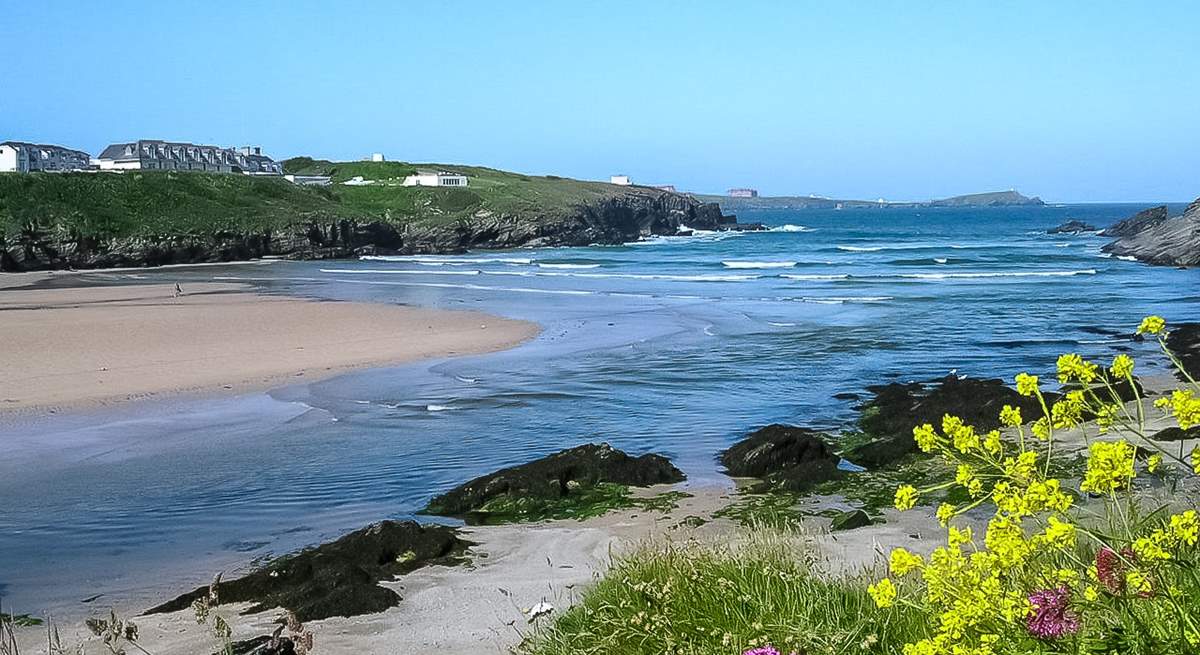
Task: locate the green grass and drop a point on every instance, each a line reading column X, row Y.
column 720, row 599
column 581, row 504
column 155, row 203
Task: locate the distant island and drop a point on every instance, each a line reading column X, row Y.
column 1010, row 198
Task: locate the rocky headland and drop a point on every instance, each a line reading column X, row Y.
column 147, row 218
column 1154, row 238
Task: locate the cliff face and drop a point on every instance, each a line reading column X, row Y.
column 619, row 218
column 1142, row 220
column 1165, row 242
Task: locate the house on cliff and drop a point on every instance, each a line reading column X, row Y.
column 157, row 155
column 436, row 178
column 22, row 157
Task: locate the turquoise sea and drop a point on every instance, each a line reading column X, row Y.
column 672, row 345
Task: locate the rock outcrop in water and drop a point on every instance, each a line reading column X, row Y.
column 1145, row 219
column 565, row 475
column 1183, row 339
column 1072, row 227
column 889, row 417
column 784, row 457
column 1166, row 242
column 339, row 578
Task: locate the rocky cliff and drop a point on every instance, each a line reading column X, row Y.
column 1145, row 219
column 1165, row 241
column 43, row 232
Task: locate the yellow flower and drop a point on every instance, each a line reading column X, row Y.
column 992, row 443
column 1027, row 385
column 906, row 497
column 1010, row 416
column 1153, row 463
column 1185, row 527
column 1149, row 551
column 965, row 439
column 1090, row 594
column 926, row 437
column 1138, row 582
column 945, row 512
column 1152, row 325
column 1196, row 460
column 959, row 537
column 1109, row 467
column 883, row 592
column 1041, row 428
column 1074, row 367
column 1122, row 366
column 1059, row 534
column 902, row 562
column 1184, row 405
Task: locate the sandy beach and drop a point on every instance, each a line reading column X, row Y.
column 88, row 346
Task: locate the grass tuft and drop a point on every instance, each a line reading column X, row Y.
column 702, row 598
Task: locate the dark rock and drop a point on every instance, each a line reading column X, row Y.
column 846, row 395
column 1184, row 340
column 338, row 578
column 1177, row 434
column 1142, row 220
column 557, row 476
column 784, row 457
column 888, row 419
column 1072, row 227
column 850, row 520
column 1170, row 242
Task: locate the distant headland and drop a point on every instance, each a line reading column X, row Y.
column 740, row 199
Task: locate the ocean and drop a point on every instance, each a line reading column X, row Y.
column 675, row 345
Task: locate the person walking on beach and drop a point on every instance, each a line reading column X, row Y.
column 178, row 290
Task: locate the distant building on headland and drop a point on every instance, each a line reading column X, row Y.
column 622, row 180
column 743, row 193
column 436, row 178
column 309, row 180
column 665, row 187
column 21, row 157
column 154, row 155
column 377, row 156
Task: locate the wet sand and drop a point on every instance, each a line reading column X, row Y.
column 87, row 346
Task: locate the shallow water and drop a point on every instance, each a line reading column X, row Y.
column 675, row 345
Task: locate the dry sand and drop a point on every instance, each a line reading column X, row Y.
column 97, row 345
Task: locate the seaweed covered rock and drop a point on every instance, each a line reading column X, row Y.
column 1184, row 341
column 1175, row 433
column 888, row 419
column 520, row 491
column 850, row 520
column 784, row 457
column 1072, row 227
column 338, row 578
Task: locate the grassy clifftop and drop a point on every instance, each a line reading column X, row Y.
column 490, row 190
column 147, row 203
column 165, row 203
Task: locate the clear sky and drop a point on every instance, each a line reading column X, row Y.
column 1072, row 101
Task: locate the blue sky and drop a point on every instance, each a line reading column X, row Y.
column 1087, row 101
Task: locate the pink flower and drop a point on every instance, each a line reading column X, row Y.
column 1050, row 617
column 1111, row 567
column 762, row 650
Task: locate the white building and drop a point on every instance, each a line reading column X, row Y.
column 172, row 156
column 622, row 180
column 309, row 180
column 377, row 156
column 436, row 178
column 21, row 157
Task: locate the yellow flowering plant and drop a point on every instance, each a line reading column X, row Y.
column 1062, row 566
